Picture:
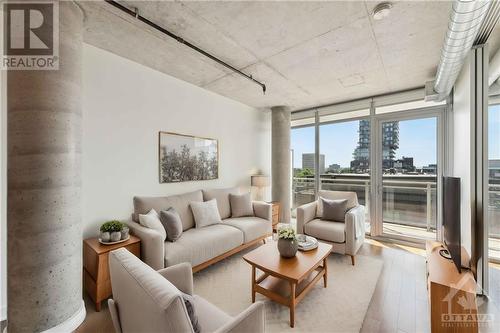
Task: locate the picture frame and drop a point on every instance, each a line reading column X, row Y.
column 184, row 158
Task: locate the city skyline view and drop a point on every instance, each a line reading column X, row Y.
column 417, row 139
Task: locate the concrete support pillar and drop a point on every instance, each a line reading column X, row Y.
column 280, row 159
column 44, row 188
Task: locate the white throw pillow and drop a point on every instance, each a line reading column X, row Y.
column 151, row 220
column 205, row 213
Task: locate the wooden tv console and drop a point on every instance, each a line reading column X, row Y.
column 452, row 295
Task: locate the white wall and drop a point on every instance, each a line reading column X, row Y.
column 125, row 105
column 461, row 165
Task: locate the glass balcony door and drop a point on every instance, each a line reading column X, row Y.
column 408, row 174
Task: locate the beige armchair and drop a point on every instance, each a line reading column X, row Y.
column 145, row 300
column 346, row 237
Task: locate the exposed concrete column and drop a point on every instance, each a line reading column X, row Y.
column 280, row 159
column 44, row 188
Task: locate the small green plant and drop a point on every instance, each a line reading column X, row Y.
column 112, row 226
column 286, row 233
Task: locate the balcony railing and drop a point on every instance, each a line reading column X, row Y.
column 408, row 200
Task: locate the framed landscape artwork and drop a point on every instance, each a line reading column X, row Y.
column 185, row 158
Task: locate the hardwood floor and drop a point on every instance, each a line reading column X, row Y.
column 399, row 303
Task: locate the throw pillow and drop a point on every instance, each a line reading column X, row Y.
column 151, row 220
column 205, row 213
column 334, row 210
column 193, row 317
column 172, row 223
column 241, row 205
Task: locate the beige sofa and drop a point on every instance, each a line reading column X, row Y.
column 200, row 247
column 346, row 237
column 148, row 301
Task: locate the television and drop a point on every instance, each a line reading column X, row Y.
column 451, row 220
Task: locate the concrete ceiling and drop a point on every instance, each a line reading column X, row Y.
column 307, row 53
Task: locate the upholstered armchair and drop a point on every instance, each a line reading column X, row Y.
column 145, row 300
column 347, row 236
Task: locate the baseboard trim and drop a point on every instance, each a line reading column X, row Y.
column 72, row 323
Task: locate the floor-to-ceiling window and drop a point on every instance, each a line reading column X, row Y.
column 302, row 144
column 387, row 149
column 409, row 167
column 494, row 180
column 345, row 158
column 409, row 177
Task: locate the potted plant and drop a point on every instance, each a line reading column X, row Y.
column 287, row 242
column 111, row 231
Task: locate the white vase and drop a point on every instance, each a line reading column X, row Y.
column 105, row 236
column 125, row 232
column 116, row 236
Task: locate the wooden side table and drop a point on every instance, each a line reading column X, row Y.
column 95, row 266
column 276, row 213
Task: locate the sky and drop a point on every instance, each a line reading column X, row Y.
column 417, row 139
column 494, row 132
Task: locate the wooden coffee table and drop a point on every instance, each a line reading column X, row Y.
column 287, row 281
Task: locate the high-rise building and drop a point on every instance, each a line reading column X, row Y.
column 390, row 143
column 404, row 165
column 308, row 162
column 333, row 168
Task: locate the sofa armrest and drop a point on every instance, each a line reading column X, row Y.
column 152, row 245
column 180, row 275
column 263, row 210
column 252, row 320
column 354, row 229
column 115, row 317
column 305, row 213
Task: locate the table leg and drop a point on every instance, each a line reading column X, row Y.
column 292, row 304
column 253, row 284
column 98, row 306
column 325, row 277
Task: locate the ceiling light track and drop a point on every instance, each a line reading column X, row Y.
column 135, row 13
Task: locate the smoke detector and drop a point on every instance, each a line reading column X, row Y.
column 382, row 10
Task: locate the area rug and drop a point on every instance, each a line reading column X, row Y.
column 339, row 308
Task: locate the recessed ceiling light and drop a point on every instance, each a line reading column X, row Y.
column 381, row 10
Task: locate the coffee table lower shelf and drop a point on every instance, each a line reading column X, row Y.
column 287, row 292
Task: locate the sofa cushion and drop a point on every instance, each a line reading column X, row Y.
column 199, row 245
column 241, row 205
column 210, row 317
column 252, row 227
column 152, row 220
column 222, row 197
column 189, row 302
column 326, row 230
column 205, row 213
column 179, row 202
column 172, row 223
column 352, row 199
column 334, row 210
